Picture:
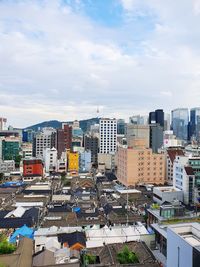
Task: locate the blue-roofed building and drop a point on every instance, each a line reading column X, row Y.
column 21, row 232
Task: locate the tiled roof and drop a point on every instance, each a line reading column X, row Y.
column 189, row 170
column 175, row 152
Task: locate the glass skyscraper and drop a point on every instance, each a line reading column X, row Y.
column 194, row 126
column 180, row 121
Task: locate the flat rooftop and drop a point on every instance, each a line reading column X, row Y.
column 167, row 189
column 190, row 232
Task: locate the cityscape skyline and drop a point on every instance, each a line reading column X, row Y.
column 83, row 54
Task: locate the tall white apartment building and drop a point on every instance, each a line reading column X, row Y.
column 108, row 135
column 50, row 159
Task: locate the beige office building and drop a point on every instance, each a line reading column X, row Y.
column 138, row 165
column 135, row 132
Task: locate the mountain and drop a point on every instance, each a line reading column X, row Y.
column 84, row 124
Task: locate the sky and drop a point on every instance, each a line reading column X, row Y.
column 61, row 59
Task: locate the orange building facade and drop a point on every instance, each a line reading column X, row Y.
column 32, row 167
column 138, row 165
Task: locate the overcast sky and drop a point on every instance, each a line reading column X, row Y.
column 60, row 59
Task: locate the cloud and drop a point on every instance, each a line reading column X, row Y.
column 60, row 62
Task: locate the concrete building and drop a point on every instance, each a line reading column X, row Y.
column 170, row 157
column 26, row 150
column 167, row 193
column 166, row 122
column 94, row 129
column 3, row 122
column 108, row 135
column 139, row 165
column 50, row 159
column 64, row 139
column 7, row 166
column 73, row 162
column 184, row 178
column 170, row 140
column 106, row 162
column 85, row 161
column 62, row 165
column 42, row 140
column 32, row 168
column 138, row 119
column 9, row 148
column 91, row 142
column 137, row 132
column 183, row 245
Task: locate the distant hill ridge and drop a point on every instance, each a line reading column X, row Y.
column 84, row 124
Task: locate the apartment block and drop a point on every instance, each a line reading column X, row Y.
column 108, row 135
column 170, row 157
column 42, row 140
column 50, row 159
column 7, row 166
column 139, row 165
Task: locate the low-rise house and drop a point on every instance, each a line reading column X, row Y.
column 167, row 193
column 18, row 217
column 74, row 241
column 61, row 257
column 174, row 211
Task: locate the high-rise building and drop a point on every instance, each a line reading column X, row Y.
column 9, row 148
column 138, row 119
column 3, row 122
column 180, row 120
column 166, row 122
column 121, row 126
column 27, row 135
column 92, row 143
column 194, row 125
column 152, row 117
column 156, row 137
column 64, row 139
column 108, row 135
column 42, row 140
column 137, row 132
column 157, row 116
column 50, row 159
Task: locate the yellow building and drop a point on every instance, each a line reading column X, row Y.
column 73, row 161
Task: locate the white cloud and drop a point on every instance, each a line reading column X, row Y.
column 60, row 64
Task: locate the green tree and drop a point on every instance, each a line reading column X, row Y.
column 90, row 259
column 127, row 256
column 63, row 176
column 17, row 160
column 6, row 247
